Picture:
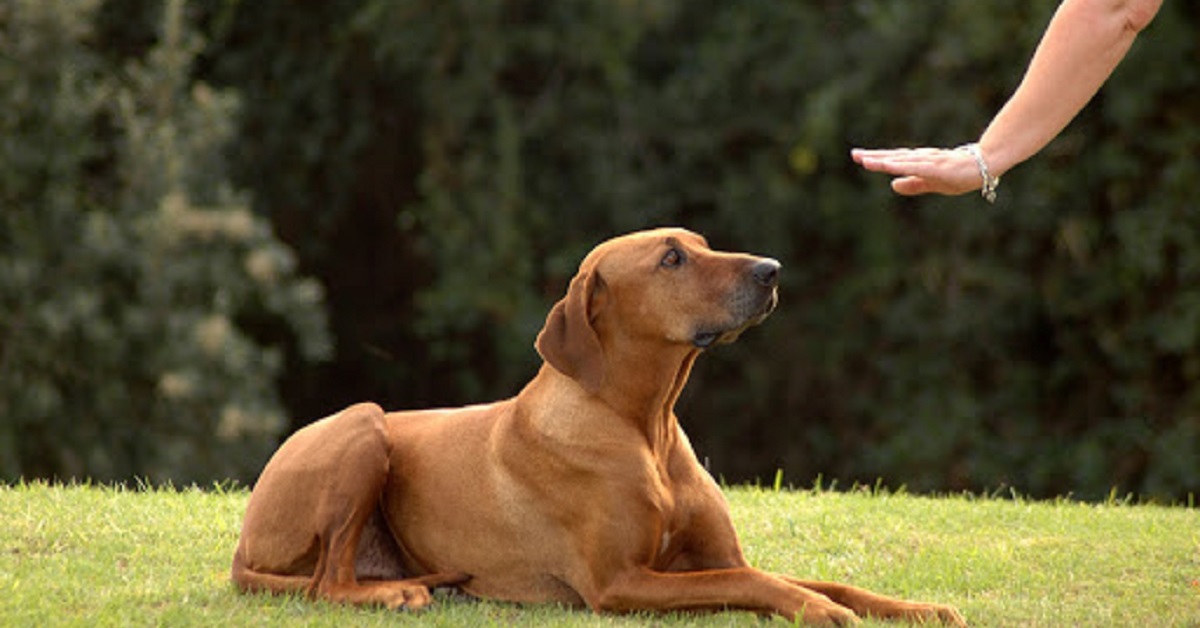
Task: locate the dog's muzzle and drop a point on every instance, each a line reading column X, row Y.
column 749, row 304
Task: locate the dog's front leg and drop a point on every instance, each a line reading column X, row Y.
column 640, row 588
column 869, row 604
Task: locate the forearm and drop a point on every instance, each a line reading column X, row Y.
column 1082, row 46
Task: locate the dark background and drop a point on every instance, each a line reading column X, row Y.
column 223, row 219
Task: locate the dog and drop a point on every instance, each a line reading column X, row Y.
column 581, row 490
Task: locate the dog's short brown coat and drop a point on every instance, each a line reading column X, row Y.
column 581, row 490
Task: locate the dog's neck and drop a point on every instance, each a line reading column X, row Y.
column 648, row 402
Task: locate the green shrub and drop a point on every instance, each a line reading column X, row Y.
column 133, row 277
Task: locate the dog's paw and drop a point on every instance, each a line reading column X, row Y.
column 829, row 615
column 934, row 613
column 406, row 596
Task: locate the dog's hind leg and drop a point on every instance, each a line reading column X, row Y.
column 308, row 511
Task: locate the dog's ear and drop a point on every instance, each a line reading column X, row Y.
column 568, row 341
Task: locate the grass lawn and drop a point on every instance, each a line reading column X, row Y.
column 93, row 556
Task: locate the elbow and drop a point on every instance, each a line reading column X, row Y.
column 1139, row 13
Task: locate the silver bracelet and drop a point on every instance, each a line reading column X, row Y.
column 990, row 183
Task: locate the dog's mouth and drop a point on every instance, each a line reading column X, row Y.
column 705, row 339
column 746, row 315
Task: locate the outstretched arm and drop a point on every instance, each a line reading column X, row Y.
column 1083, row 44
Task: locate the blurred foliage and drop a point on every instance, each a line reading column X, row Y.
column 441, row 167
column 133, row 277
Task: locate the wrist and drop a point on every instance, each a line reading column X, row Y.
column 990, row 181
column 999, row 160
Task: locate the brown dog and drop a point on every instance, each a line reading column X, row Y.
column 581, row 490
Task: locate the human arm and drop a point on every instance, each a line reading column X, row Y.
column 1083, row 44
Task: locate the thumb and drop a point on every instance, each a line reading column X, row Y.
column 910, row 186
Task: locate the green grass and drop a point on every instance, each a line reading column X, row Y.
column 93, row 556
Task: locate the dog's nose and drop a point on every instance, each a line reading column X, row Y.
column 766, row 273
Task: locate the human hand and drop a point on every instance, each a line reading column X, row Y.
column 923, row 170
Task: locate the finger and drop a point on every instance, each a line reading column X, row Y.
column 899, row 165
column 859, row 154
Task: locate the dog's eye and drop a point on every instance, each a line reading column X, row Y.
column 672, row 259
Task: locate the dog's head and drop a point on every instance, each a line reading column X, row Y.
column 664, row 286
